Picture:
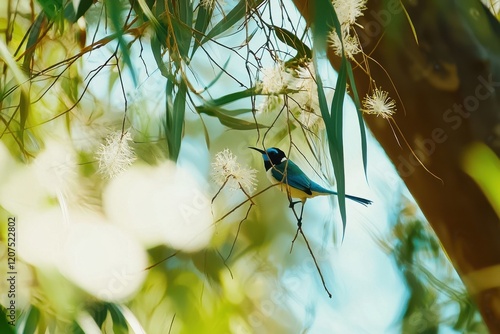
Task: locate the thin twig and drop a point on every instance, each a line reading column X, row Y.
column 315, row 262
column 165, row 259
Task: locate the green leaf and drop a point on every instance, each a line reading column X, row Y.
column 160, row 32
column 51, row 8
column 174, row 125
column 114, row 13
column 233, row 97
column 156, row 50
column 202, row 21
column 217, row 77
column 24, row 102
column 119, row 321
column 5, row 327
column 229, row 20
column 362, row 129
column 287, row 37
column 337, row 144
column 333, row 123
column 224, row 117
column 99, row 313
column 180, row 17
column 325, row 18
column 69, row 10
column 31, row 320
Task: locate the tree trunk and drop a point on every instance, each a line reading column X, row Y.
column 447, row 90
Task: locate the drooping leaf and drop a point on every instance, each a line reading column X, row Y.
column 119, row 321
column 232, row 97
column 32, row 318
column 362, row 130
column 160, row 31
column 185, row 32
column 99, row 312
column 71, row 15
column 5, row 327
column 51, row 8
column 156, row 50
column 202, row 21
column 226, row 119
column 174, row 122
column 289, row 38
column 114, row 13
column 325, row 18
column 217, row 77
column 236, row 14
column 337, row 144
column 24, row 102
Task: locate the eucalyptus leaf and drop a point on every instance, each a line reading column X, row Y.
column 202, row 21
column 228, row 21
column 233, row 97
column 31, row 320
column 362, row 129
column 232, row 122
column 289, row 38
column 114, row 13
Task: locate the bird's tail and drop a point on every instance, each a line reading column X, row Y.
column 360, row 200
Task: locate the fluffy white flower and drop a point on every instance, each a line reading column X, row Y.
column 275, row 79
column 380, row 104
column 351, row 43
column 348, row 10
column 226, row 169
column 116, row 155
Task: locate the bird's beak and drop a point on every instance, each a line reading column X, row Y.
column 258, row 149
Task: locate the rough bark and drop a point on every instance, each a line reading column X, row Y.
column 447, row 89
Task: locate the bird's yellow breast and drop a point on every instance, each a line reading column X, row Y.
column 294, row 192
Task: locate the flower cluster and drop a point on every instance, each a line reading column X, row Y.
column 275, row 79
column 347, row 12
column 227, row 170
column 302, row 97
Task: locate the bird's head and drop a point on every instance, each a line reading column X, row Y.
column 272, row 156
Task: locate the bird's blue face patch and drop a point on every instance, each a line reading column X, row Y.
column 272, row 150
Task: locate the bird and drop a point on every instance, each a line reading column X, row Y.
column 293, row 181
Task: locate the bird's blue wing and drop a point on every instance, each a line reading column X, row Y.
column 294, row 176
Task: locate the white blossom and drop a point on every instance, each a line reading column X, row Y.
column 275, row 79
column 226, row 169
column 349, row 10
column 116, row 155
column 380, row 104
column 351, row 43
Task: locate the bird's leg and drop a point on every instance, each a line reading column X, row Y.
column 299, row 221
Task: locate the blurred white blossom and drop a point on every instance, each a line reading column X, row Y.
column 226, row 169
column 161, row 204
column 116, row 155
column 102, row 259
column 380, row 104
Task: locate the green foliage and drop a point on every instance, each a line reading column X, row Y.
column 431, row 282
column 205, row 290
column 5, row 327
